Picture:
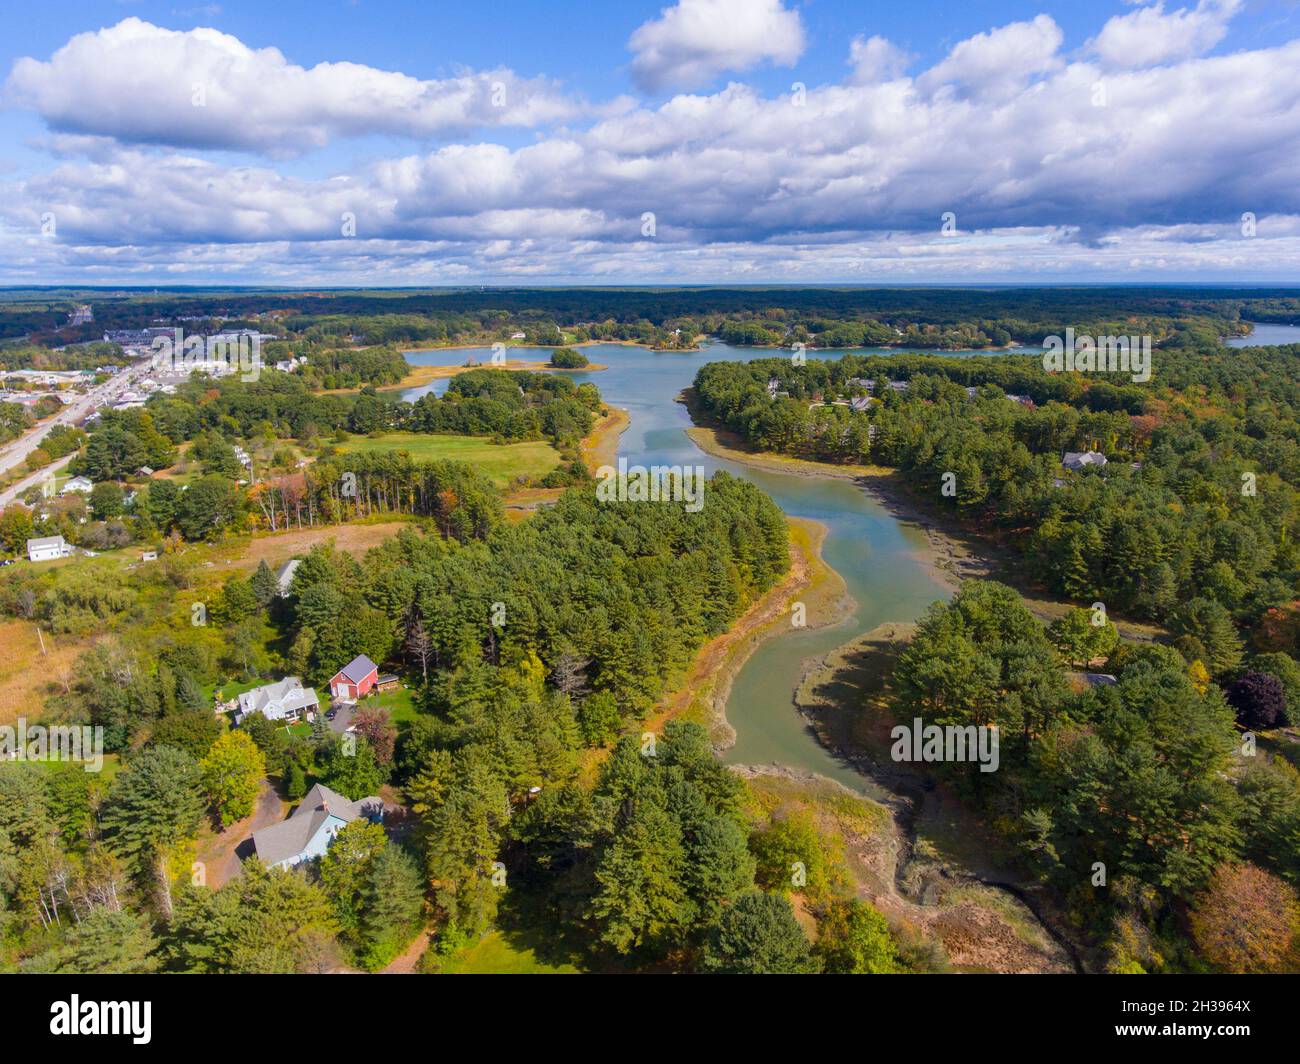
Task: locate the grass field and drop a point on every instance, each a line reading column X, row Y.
column 27, row 675
column 400, row 704
column 501, row 463
column 501, row 954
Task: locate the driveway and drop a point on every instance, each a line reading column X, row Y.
column 224, row 853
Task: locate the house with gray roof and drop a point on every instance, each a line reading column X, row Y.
column 355, row 680
column 284, row 577
column 310, row 828
column 1081, row 459
column 285, row 700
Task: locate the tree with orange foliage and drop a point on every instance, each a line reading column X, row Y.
column 1247, row 920
column 1279, row 629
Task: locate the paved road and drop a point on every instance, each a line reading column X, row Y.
column 15, row 490
column 16, row 451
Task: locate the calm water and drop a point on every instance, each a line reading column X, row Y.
column 864, row 544
column 1268, row 336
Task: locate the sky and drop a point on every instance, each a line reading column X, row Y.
column 357, row 142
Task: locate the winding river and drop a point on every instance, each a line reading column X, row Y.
column 868, row 547
column 865, row 544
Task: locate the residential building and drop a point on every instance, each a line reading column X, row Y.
column 46, row 548
column 310, row 828
column 285, row 700
column 77, row 485
column 285, row 576
column 1080, row 459
column 355, row 680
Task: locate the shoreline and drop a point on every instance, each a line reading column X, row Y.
column 422, row 375
column 949, row 554
column 600, row 446
column 943, row 850
column 703, row 693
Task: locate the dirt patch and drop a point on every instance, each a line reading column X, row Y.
column 278, row 547
column 405, row 962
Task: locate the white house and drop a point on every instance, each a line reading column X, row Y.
column 81, row 485
column 311, row 827
column 286, row 700
column 47, row 548
column 1080, row 459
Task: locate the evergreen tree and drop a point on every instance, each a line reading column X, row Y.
column 758, row 935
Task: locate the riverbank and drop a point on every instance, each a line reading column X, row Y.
column 702, row 696
column 942, row 872
column 600, row 447
column 949, row 553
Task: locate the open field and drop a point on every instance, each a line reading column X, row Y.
column 27, row 675
column 279, row 547
column 500, row 462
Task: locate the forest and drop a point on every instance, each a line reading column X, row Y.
column 662, row 317
column 1161, row 826
column 1195, row 515
column 538, row 647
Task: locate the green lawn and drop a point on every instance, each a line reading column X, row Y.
column 232, row 688
column 499, row 954
column 501, row 463
column 400, row 704
column 111, row 767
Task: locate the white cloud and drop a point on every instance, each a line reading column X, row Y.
column 849, row 184
column 202, row 88
column 1149, row 35
column 1000, row 60
column 876, row 59
column 694, row 41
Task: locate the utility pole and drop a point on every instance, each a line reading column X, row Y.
column 41, row 638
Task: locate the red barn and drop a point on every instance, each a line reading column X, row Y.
column 355, row 679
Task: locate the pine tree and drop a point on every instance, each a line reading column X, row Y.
column 265, row 586
column 394, row 904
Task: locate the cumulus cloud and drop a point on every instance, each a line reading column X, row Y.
column 694, row 41
column 876, row 59
column 1150, row 35
column 140, row 83
column 848, row 183
column 1000, row 60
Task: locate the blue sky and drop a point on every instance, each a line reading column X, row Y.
column 558, row 143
